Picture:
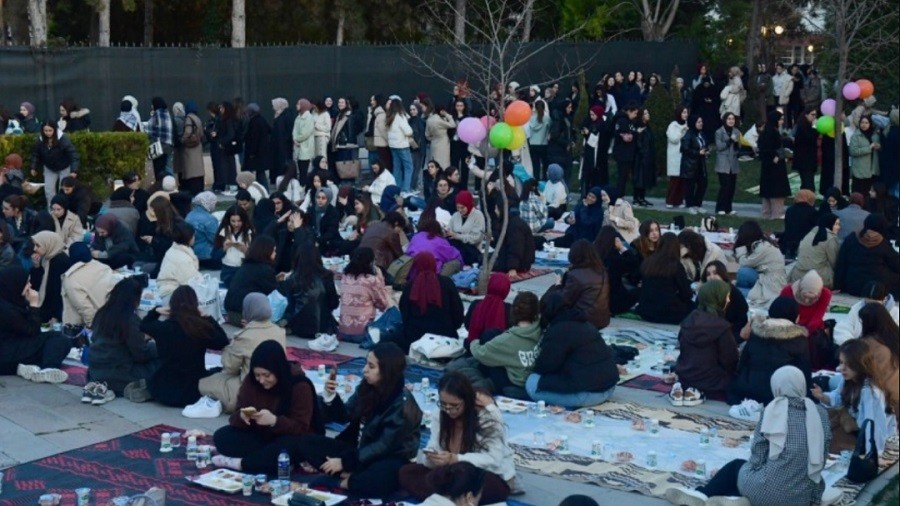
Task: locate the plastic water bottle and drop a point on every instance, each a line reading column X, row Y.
column 284, row 465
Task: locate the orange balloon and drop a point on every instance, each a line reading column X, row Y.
column 517, row 113
column 866, row 88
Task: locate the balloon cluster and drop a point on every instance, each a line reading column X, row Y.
column 508, row 134
column 861, row 89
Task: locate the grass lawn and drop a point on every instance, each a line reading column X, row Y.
column 664, row 217
column 889, row 496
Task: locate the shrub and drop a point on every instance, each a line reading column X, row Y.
column 105, row 156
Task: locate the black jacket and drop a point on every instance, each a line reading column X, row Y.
column 310, row 308
column 618, row 267
column 574, row 358
column 327, row 232
column 443, row 321
column 624, row 151
column 118, row 362
column 80, row 203
column 53, row 304
column 20, row 335
column 773, row 344
column 693, row 164
column 22, row 230
column 257, row 143
column 120, row 242
column 588, row 292
column 183, row 359
column 517, row 251
column 799, row 219
column 773, row 180
column 864, row 259
column 392, row 431
column 281, row 141
column 709, row 355
column 58, row 157
column 666, row 299
column 806, row 142
column 644, row 176
column 251, row 276
column 736, row 312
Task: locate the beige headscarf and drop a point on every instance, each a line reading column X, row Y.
column 53, row 245
column 788, row 382
column 245, row 178
column 808, row 289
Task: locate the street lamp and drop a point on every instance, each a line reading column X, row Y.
column 779, row 29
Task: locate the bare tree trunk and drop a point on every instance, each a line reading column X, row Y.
column 148, row 22
column 843, row 55
column 753, row 39
column 459, row 22
column 656, row 20
column 238, row 24
column 529, row 20
column 342, row 19
column 103, row 17
column 2, row 26
column 37, row 16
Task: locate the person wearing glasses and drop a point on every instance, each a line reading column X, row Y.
column 468, row 427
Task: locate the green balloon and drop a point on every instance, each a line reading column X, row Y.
column 825, row 125
column 501, row 135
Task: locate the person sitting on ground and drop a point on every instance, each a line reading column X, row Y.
column 867, row 256
column 621, row 263
column 67, row 223
column 533, row 208
column 880, row 332
column 121, row 355
column 123, row 209
column 761, row 275
column 382, row 432
column 585, row 221
column 467, row 228
column 205, row 226
column 430, row 238
column 648, row 239
column 233, row 237
column 709, row 355
column 50, row 262
column 850, row 327
column 7, row 253
column 182, row 341
column 469, row 428
column 492, row 312
column 276, row 405
column 666, row 295
column 517, row 253
column 179, row 265
column 383, row 237
column 312, row 296
column 575, row 367
column 799, row 219
column 430, row 303
column 697, row 252
column 79, row 196
column 459, row 484
column 256, row 321
column 578, row 500
column 736, row 311
column 555, row 192
column 383, row 179
column 772, row 343
column 818, row 251
column 853, row 216
column 506, row 359
column 813, row 300
column 256, row 274
column 325, row 221
column 113, row 243
column 787, row 452
column 24, row 349
column 857, row 398
column 247, row 181
column 618, row 213
column 20, row 217
column 362, row 292
column 85, row 287
column 155, row 229
column 585, row 287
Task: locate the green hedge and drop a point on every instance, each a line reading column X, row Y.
column 105, row 156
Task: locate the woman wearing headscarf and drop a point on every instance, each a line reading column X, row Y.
column 247, row 181
column 799, row 219
column 644, row 177
column 283, row 402
column 773, row 180
column 787, row 452
column 342, row 137
column 865, row 146
column 430, row 303
column 128, row 120
column 491, row 312
column 675, row 132
column 585, row 221
column 819, row 250
column 188, row 161
column 23, row 347
column 813, row 300
column 85, row 286
column 709, row 355
column 205, row 227
column 868, row 256
column 50, row 263
column 68, row 225
column 281, row 142
column 257, row 328
column 467, row 228
column 556, row 194
column 326, row 221
column 594, row 165
column 618, row 213
column 27, row 120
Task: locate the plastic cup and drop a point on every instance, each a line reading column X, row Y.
column 83, row 496
column 375, row 335
column 322, row 370
column 175, row 439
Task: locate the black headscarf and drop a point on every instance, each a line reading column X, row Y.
column 269, row 355
column 158, row 103
column 826, row 223
column 12, row 283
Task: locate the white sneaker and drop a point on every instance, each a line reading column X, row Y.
column 669, row 206
column 692, row 210
column 27, row 371
column 102, row 395
column 831, row 496
column 728, row 501
column 87, row 393
column 50, row 375
column 682, row 496
column 324, row 342
column 748, row 410
column 206, row 407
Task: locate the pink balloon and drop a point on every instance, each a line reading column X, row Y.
column 828, row 107
column 471, row 131
column 488, row 122
column 851, row 91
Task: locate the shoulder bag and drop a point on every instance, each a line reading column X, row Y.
column 864, row 464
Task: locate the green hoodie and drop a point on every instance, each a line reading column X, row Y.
column 513, row 349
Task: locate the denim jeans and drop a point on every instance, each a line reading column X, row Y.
column 576, row 399
column 403, row 167
column 745, row 280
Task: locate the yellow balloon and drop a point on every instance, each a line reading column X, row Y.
column 518, row 139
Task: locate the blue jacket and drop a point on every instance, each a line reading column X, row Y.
column 205, row 225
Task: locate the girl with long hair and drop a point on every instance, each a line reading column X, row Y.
column 621, row 263
column 727, row 139
column 470, row 429
column 666, row 295
column 181, row 341
column 256, row 274
column 533, row 208
column 362, row 292
column 399, row 133
column 880, row 332
column 311, row 294
column 675, row 132
column 648, row 238
column 56, row 155
column 539, row 126
column 233, row 238
column 761, row 274
column 586, row 285
column 865, row 146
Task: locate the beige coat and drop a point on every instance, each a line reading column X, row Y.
column 85, row 287
column 768, row 261
column 621, row 216
column 188, row 162
column 303, row 135
column 820, row 257
column 322, row 133
column 71, row 230
column 380, row 131
column 436, row 127
column 178, row 266
column 713, row 253
column 224, row 385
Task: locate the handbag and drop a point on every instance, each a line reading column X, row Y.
column 155, row 150
column 370, row 144
column 207, row 290
column 435, row 347
column 347, row 169
column 279, row 305
column 864, row 464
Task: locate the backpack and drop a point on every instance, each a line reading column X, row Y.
column 195, row 137
column 14, row 128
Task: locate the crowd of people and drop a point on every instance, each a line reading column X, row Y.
column 298, row 198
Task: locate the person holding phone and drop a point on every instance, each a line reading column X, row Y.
column 276, row 405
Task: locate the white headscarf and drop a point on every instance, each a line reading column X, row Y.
column 135, row 111
column 789, row 382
